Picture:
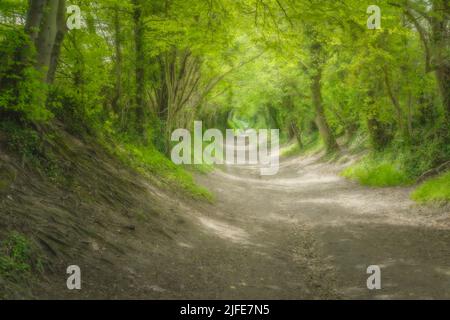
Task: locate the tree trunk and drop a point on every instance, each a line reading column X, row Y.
column 47, row 37
column 378, row 131
column 435, row 36
column 45, row 29
column 117, row 94
column 273, row 116
column 443, row 76
column 34, row 18
column 321, row 121
column 139, row 68
column 440, row 39
column 395, row 103
column 410, row 114
column 297, row 134
column 61, row 32
column 162, row 94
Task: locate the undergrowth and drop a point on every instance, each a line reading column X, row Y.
column 378, row 173
column 32, row 149
column 148, row 161
column 311, row 144
column 434, row 190
column 402, row 164
column 19, row 264
column 36, row 153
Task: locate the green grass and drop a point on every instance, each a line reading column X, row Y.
column 372, row 173
column 312, row 145
column 200, row 168
column 28, row 144
column 147, row 160
column 434, row 190
column 291, row 150
column 19, row 265
column 17, row 257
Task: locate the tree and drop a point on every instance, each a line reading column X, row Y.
column 140, row 112
column 46, row 27
column 432, row 22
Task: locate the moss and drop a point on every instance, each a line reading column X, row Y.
column 434, row 190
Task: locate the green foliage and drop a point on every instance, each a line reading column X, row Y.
column 431, row 151
column 23, row 140
column 246, row 64
column 150, row 162
column 18, row 258
column 402, row 163
column 291, row 150
column 20, row 264
column 29, row 144
column 377, row 173
column 70, row 108
column 311, row 145
column 434, row 190
column 22, row 89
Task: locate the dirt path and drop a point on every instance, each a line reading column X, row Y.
column 307, row 233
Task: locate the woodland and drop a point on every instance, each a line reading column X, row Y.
column 121, row 76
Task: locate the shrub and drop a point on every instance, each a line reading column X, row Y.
column 434, row 190
column 371, row 173
column 17, row 258
column 22, row 89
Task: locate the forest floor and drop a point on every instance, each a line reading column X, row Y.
column 305, row 233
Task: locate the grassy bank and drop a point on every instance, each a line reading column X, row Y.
column 311, row 144
column 19, row 265
column 40, row 151
column 434, row 190
column 402, row 167
column 378, row 173
column 150, row 162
